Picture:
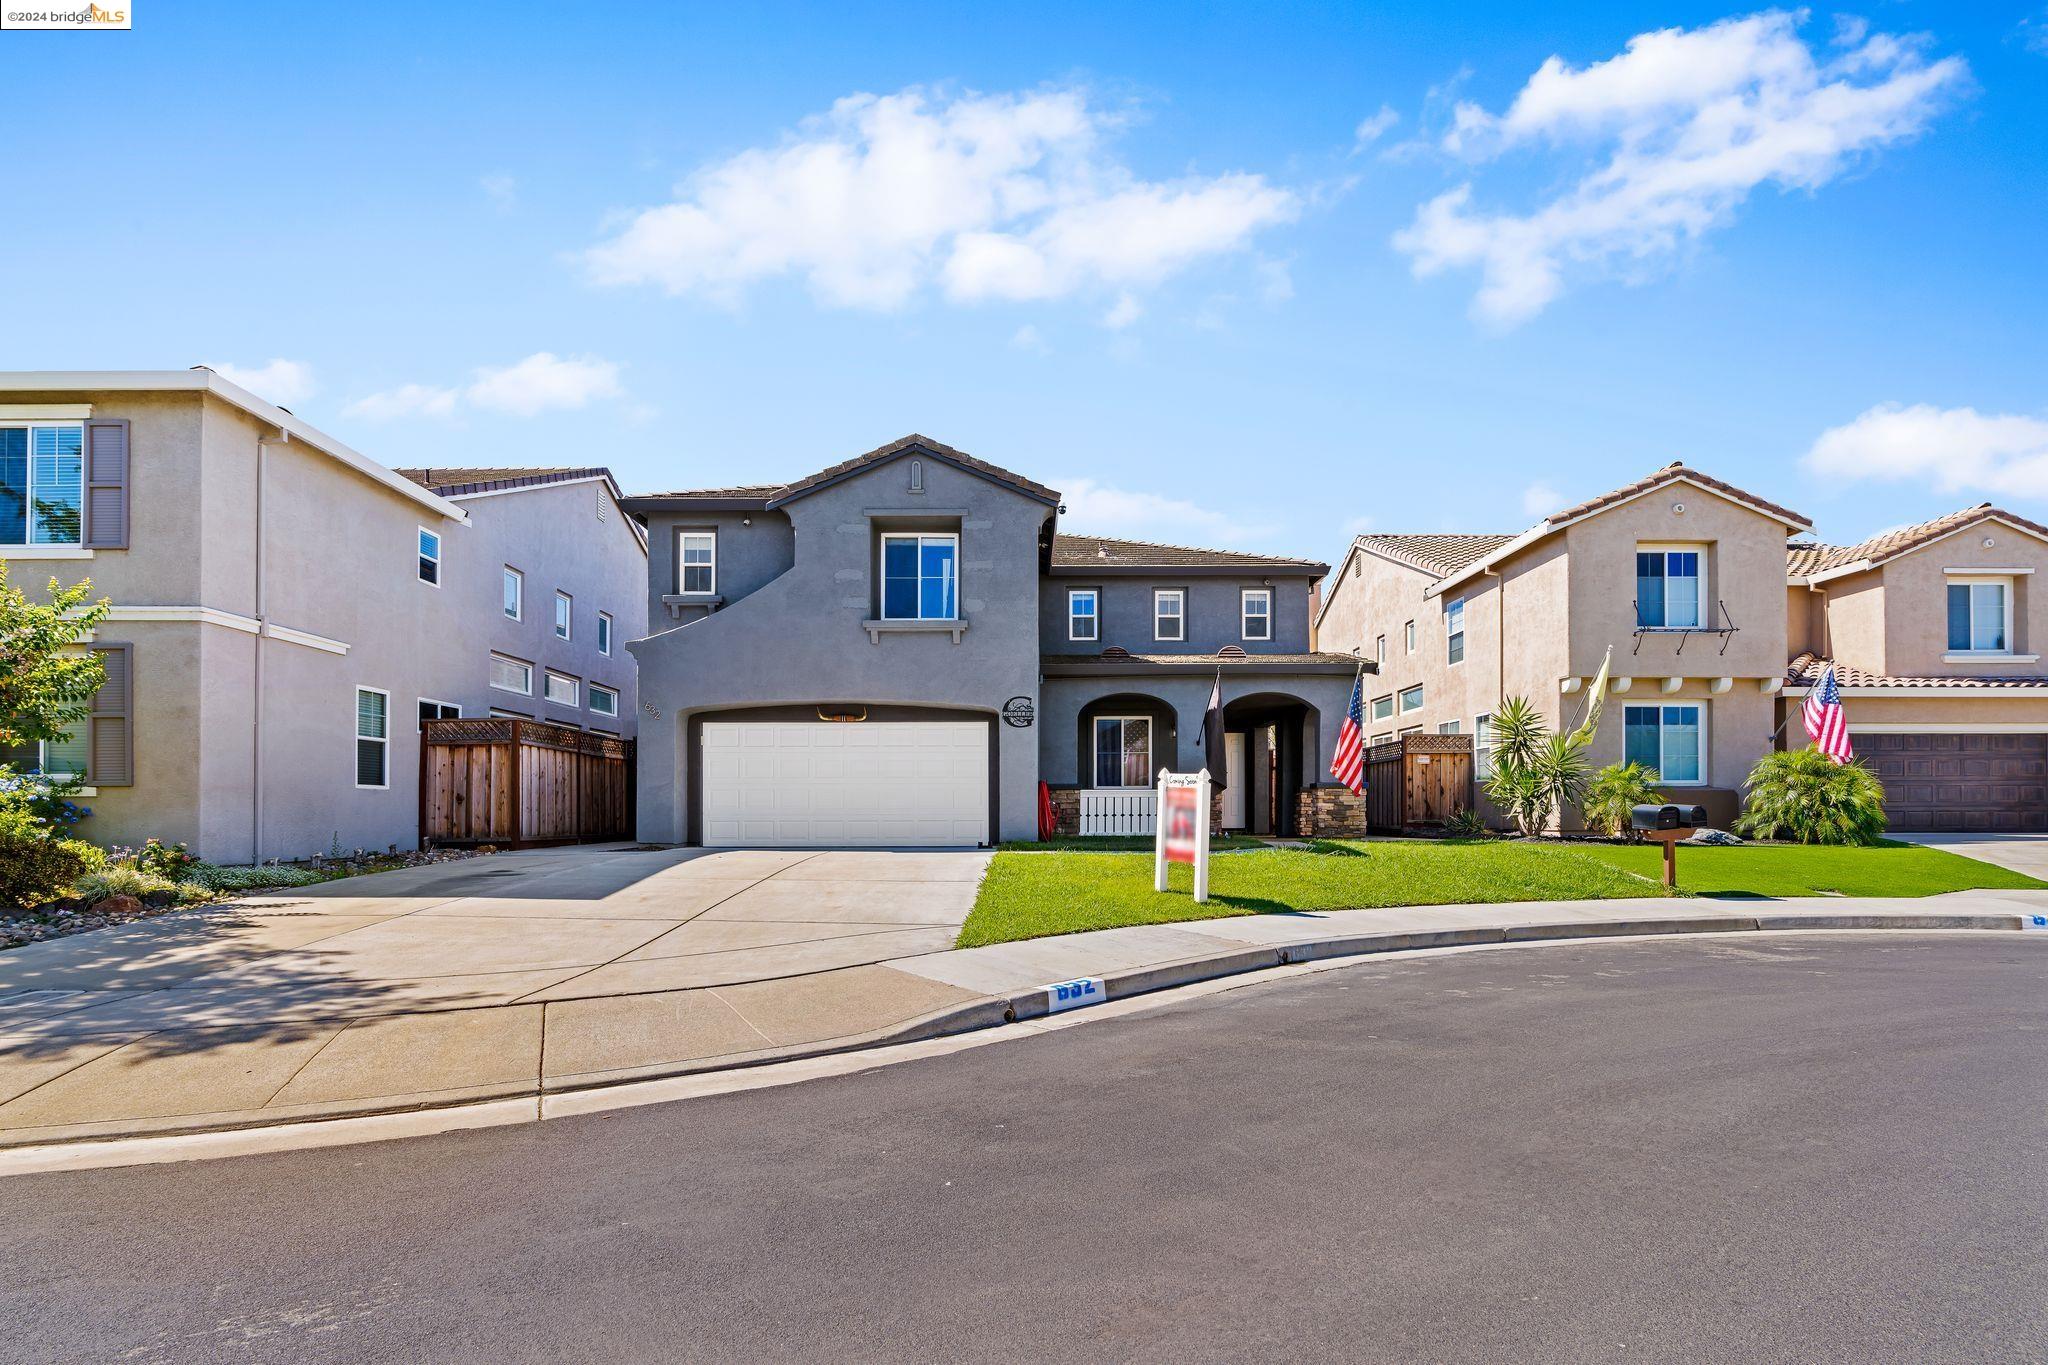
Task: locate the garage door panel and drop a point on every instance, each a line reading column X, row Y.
column 830, row 784
column 1961, row 783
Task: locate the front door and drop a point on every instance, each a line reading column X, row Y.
column 1234, row 773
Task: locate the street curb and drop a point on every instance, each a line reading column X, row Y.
column 972, row 1016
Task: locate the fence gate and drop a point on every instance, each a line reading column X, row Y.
column 521, row 782
column 1417, row 780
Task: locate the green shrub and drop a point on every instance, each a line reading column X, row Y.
column 36, row 863
column 251, row 878
column 1465, row 823
column 165, row 860
column 119, row 880
column 1805, row 796
column 1615, row 790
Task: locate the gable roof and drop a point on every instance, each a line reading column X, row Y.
column 1079, row 554
column 1438, row 555
column 462, row 480
column 1819, row 563
column 763, row 496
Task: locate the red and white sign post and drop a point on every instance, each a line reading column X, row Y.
column 1182, row 832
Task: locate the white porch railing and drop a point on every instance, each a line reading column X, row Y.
column 1119, row 812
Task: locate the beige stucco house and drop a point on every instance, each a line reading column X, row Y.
column 1934, row 631
column 286, row 610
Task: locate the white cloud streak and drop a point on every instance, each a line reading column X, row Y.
column 1099, row 509
column 1540, row 500
column 1680, row 128
column 1953, row 450
column 980, row 197
column 283, row 382
column 542, row 382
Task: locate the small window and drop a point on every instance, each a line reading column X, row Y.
column 500, row 713
column 1123, row 751
column 1409, row 632
column 1670, row 593
column 1979, row 616
column 63, row 756
column 563, row 690
column 563, row 606
column 1666, row 739
column 1411, row 698
column 1258, row 613
column 1454, row 627
column 373, row 738
column 1383, row 707
column 1169, row 614
column 1447, row 727
column 604, row 701
column 1379, row 648
column 515, row 593
column 430, row 557
column 42, row 484
column 437, row 710
column 1082, row 622
column 920, row 577
column 511, row 675
column 1482, row 747
column 697, row 561
column 604, row 633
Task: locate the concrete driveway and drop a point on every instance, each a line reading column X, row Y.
column 2023, row 853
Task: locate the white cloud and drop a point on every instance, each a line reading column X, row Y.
column 2033, row 33
column 501, row 190
column 1098, row 509
column 283, row 382
column 543, row 382
column 1028, row 338
column 981, row 197
column 1540, row 500
column 1679, row 129
column 1956, row 450
column 1125, row 311
column 1372, row 128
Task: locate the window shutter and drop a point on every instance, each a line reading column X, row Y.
column 106, row 483
column 111, row 762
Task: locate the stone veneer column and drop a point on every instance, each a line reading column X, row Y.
column 1330, row 812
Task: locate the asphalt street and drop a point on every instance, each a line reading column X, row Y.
column 1782, row 1147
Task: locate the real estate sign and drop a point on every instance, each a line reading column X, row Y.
column 1182, row 828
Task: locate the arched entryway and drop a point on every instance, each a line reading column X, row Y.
column 1269, row 742
column 1123, row 740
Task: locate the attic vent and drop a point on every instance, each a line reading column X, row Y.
column 1116, row 652
column 603, row 512
column 917, row 476
column 1230, row 652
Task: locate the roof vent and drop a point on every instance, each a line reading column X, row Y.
column 1116, row 652
column 1230, row 652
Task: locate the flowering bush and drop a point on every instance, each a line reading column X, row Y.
column 37, row 863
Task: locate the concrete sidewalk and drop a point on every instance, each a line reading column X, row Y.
column 99, row 1062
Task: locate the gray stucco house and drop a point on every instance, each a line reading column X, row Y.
column 898, row 649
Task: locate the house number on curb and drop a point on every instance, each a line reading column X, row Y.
column 1068, row 995
column 2034, row 921
column 1017, row 711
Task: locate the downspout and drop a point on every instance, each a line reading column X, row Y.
column 263, row 444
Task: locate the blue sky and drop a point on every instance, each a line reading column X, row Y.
column 1233, row 276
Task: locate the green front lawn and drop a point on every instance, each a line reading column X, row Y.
column 1063, row 890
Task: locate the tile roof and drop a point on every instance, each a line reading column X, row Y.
column 1441, row 555
column 760, row 492
column 1805, row 671
column 1073, row 552
column 783, row 492
column 482, row 478
column 1128, row 663
column 1897, row 541
column 1674, row 470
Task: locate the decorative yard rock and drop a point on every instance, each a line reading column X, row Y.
column 1715, row 836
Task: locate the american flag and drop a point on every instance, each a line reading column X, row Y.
column 1827, row 724
column 1347, row 765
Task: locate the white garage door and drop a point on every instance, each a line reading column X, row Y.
column 902, row 783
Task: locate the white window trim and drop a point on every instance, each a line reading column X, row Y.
column 1179, row 597
column 607, row 628
column 385, row 785
column 1458, row 634
column 597, row 690
column 1447, row 727
column 683, row 535
column 417, row 728
column 1244, row 615
column 1482, row 728
column 518, row 612
column 1706, row 748
column 1408, row 637
column 1401, row 699
column 1700, row 593
column 435, row 581
column 1374, row 712
column 882, row 578
column 565, row 621
column 1379, row 647
column 1094, row 596
column 1961, row 656
column 1095, row 756
column 549, row 675
column 526, row 691
column 56, row 549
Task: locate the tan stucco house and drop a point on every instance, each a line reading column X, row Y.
column 1933, row 630
column 286, row 610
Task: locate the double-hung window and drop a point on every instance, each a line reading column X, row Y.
column 430, row 557
column 1123, row 751
column 564, row 614
column 1979, row 616
column 1169, row 614
column 604, row 701
column 920, row 576
column 1670, row 589
column 1669, row 739
column 515, row 593
column 373, row 737
column 1258, row 613
column 1454, row 634
column 697, row 561
column 42, row 484
column 1084, row 614
column 64, row 756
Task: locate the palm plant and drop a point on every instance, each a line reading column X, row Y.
column 1805, row 796
column 1518, row 735
column 1613, row 794
column 1559, row 773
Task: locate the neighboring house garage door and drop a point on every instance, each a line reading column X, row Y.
column 876, row 783
column 1934, row 783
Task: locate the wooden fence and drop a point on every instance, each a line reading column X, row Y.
column 1417, row 781
column 519, row 782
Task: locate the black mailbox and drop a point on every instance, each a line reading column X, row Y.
column 1667, row 817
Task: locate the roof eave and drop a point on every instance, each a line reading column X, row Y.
column 1303, row 569
column 783, row 499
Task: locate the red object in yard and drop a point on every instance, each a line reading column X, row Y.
column 1177, row 814
column 1048, row 823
